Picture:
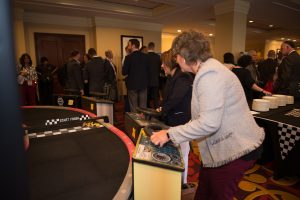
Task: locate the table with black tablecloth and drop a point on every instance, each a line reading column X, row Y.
column 74, row 156
column 282, row 127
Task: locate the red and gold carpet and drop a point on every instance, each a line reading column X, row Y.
column 257, row 183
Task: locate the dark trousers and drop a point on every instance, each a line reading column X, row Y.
column 153, row 94
column 221, row 183
column 46, row 92
column 28, row 94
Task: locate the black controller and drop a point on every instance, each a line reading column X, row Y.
column 152, row 128
column 148, row 112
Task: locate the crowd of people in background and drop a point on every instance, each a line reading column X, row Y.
column 277, row 74
column 145, row 78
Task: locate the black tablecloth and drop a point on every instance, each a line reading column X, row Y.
column 282, row 127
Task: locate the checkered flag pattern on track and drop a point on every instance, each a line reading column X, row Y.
column 51, row 122
column 58, row 132
column 84, row 117
column 289, row 135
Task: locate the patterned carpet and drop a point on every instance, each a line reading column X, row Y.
column 257, row 183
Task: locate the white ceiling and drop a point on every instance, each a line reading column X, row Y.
column 182, row 14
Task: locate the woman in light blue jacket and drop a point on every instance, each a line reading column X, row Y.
column 228, row 137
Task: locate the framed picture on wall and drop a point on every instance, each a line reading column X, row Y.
column 124, row 42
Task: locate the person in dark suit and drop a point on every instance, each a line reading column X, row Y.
column 75, row 81
column 95, row 72
column 136, row 67
column 288, row 81
column 111, row 71
column 45, row 73
column 154, row 70
column 267, row 69
column 176, row 104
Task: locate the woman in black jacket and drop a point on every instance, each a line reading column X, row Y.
column 176, row 104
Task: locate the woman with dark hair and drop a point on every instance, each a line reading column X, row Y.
column 228, row 59
column 27, row 79
column 227, row 148
column 74, row 73
column 176, row 104
column 246, row 79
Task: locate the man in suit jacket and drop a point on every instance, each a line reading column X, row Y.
column 136, row 67
column 111, row 75
column 74, row 75
column 95, row 72
column 288, row 81
column 154, row 70
column 267, row 69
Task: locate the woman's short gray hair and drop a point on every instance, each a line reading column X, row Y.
column 192, row 46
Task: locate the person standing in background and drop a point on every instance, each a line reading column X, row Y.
column 75, row 81
column 95, row 72
column 136, row 68
column 267, row 69
column 27, row 80
column 154, row 70
column 253, row 66
column 86, row 59
column 144, row 49
column 111, row 71
column 45, row 73
column 228, row 59
column 288, row 80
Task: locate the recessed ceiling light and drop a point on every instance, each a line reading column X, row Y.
column 294, row 40
column 250, row 21
column 210, row 34
column 288, row 39
column 283, row 38
column 271, row 25
column 179, row 31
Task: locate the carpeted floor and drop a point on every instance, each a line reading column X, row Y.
column 257, row 183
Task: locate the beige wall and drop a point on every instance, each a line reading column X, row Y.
column 271, row 45
column 166, row 41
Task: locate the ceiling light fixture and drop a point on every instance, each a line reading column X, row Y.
column 294, row 40
column 282, row 38
column 271, row 25
column 179, row 31
column 288, row 39
column 210, row 34
column 68, row 4
column 250, row 21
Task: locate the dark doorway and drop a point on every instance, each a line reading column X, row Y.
column 57, row 48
